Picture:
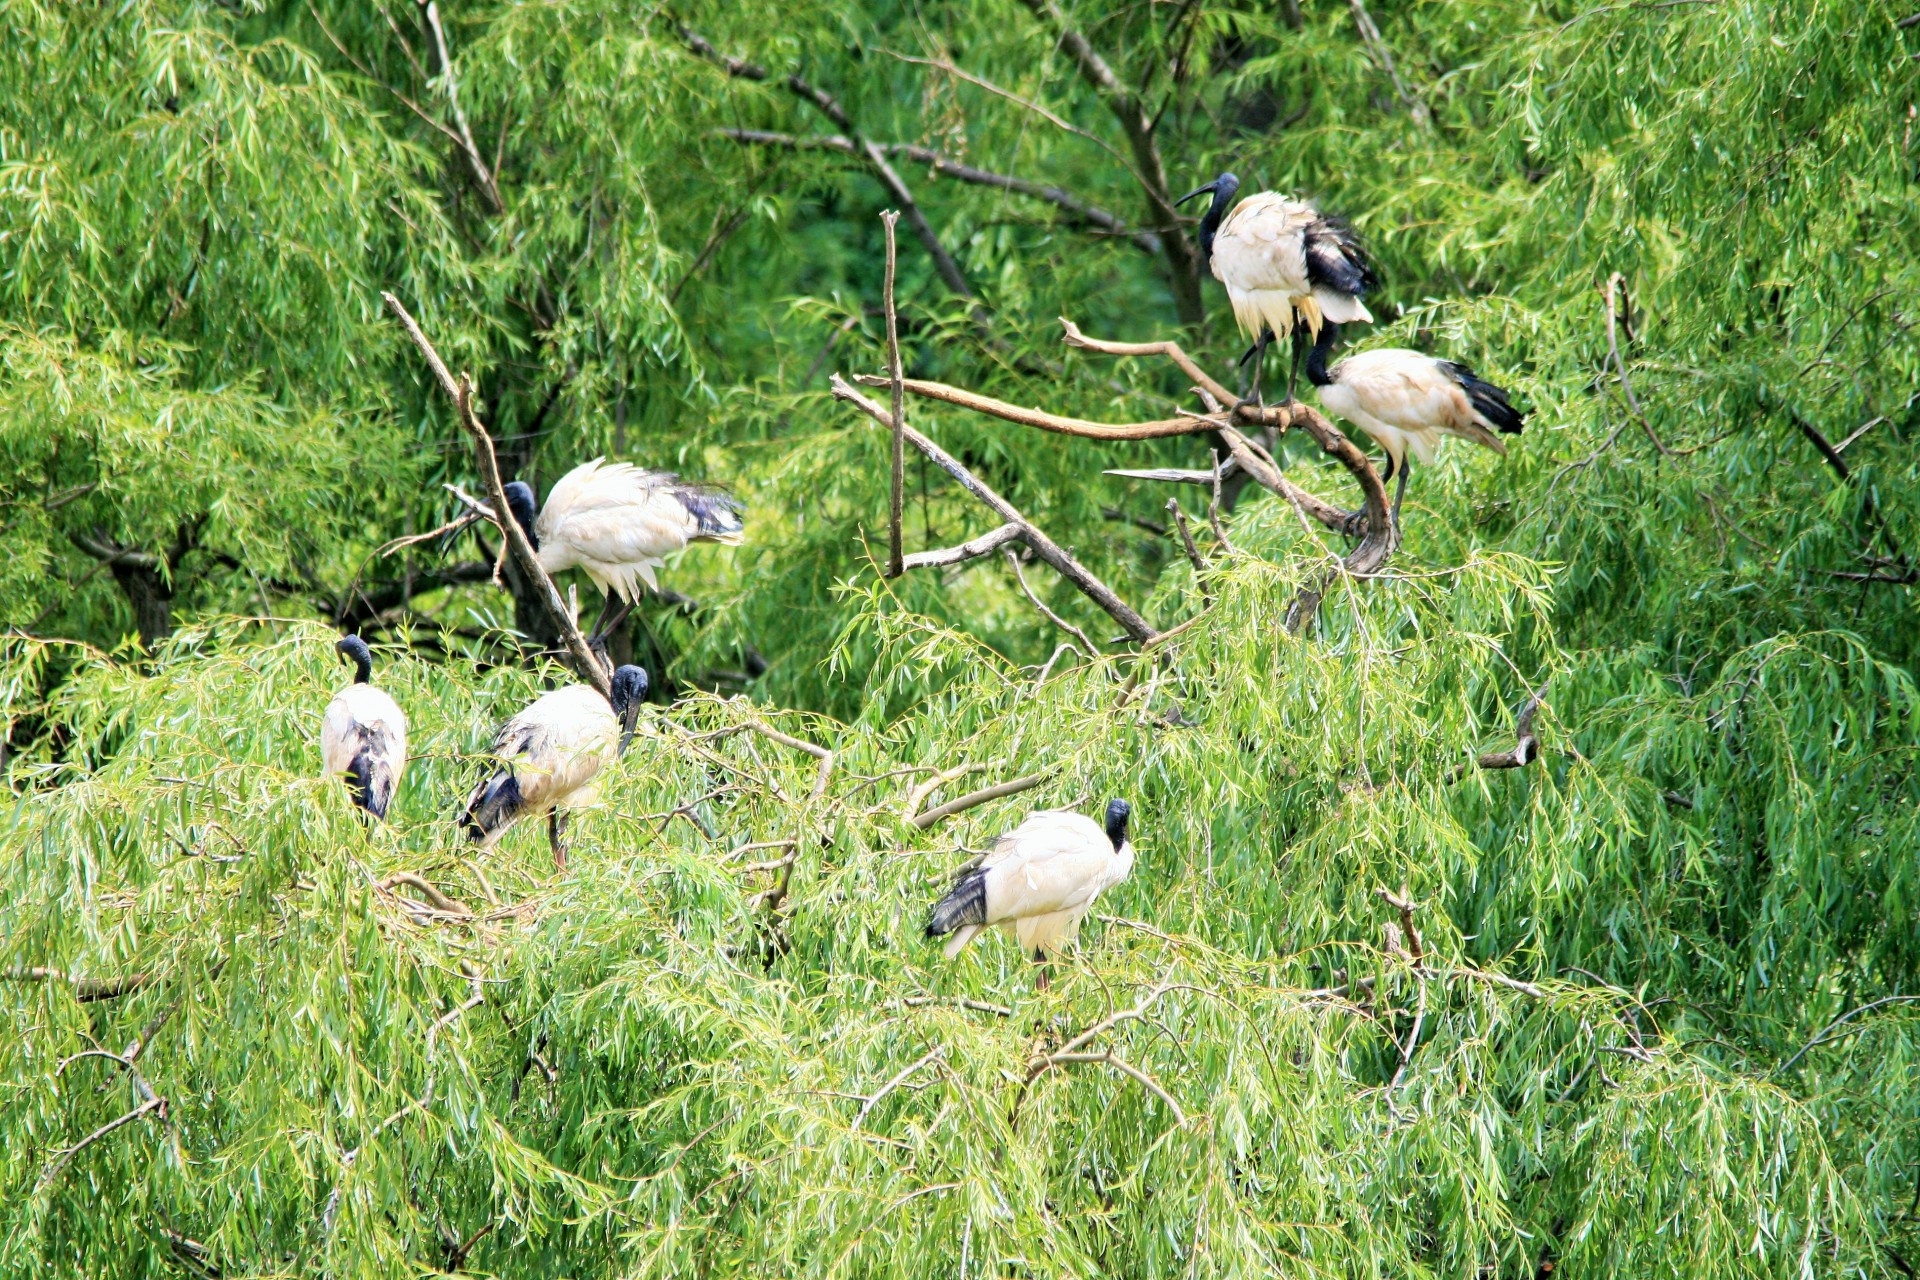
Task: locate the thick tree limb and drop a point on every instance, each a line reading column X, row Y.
column 1076, row 210
column 1526, row 747
column 1044, row 547
column 461, row 393
column 980, row 797
column 829, row 106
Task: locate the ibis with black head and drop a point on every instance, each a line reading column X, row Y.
column 1407, row 401
column 363, row 735
column 1036, row 882
column 1287, row 268
column 548, row 759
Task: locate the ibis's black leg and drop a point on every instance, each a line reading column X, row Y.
column 1302, row 342
column 1043, row 975
column 556, row 836
column 1399, row 492
column 1259, row 354
column 612, row 614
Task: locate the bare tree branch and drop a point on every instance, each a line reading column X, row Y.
column 980, row 797
column 829, row 106
column 85, row 990
column 1092, row 651
column 984, row 545
column 1614, row 281
column 1076, row 209
column 431, row 11
column 1370, row 34
column 1044, row 547
column 461, row 393
column 869, row 1103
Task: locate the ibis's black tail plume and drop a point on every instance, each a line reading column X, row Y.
column 1489, row 401
column 494, row 803
column 965, row 904
column 370, row 783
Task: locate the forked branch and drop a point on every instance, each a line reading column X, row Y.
column 460, row 391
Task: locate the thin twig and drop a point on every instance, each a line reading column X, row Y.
column 1087, row 646
column 1614, row 281
column 867, row 1105
column 60, row 1161
column 1848, row 1016
column 897, row 460
column 480, row 171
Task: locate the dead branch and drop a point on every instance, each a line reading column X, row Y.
column 869, row 1103
column 461, row 393
column 1187, row 538
column 1526, row 747
column 1076, row 209
column 85, row 990
column 828, row 106
column 1172, row 350
column 481, row 173
column 985, row 544
column 1044, row 547
column 441, row 902
column 980, row 797
column 1087, row 646
column 1190, row 424
column 897, row 459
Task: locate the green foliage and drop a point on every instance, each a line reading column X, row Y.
column 1657, row 1016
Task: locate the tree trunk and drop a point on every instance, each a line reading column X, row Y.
column 151, row 595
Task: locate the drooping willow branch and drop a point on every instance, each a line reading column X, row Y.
column 461, row 393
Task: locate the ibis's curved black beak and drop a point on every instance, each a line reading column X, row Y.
column 1198, row 191
column 629, row 719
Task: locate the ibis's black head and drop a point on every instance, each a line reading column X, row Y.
column 629, row 691
column 1224, row 188
column 520, row 502
column 1118, row 811
column 355, row 650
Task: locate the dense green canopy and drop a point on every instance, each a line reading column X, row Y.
column 1642, row 1005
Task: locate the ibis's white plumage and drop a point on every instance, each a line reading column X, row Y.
column 1261, row 254
column 363, row 737
column 1406, row 400
column 550, row 755
column 1036, row 882
column 618, row 523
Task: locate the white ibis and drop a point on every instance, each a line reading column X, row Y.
column 1281, row 259
column 1036, row 882
column 1406, row 400
column 618, row 523
column 550, row 757
column 363, row 735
